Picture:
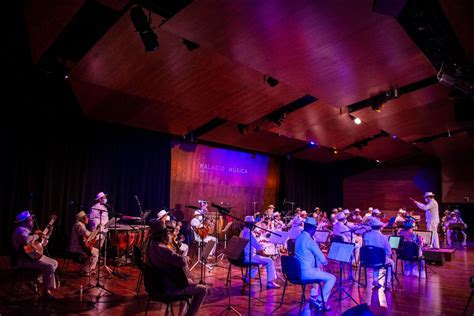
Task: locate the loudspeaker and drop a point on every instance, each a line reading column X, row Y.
column 389, row 7
column 359, row 310
column 434, row 257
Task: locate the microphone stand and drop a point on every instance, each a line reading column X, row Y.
column 251, row 226
column 98, row 285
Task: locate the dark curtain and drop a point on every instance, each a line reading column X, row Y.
column 310, row 184
column 44, row 168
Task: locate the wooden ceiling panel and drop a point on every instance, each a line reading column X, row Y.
column 45, row 20
column 200, row 81
column 330, row 49
column 321, row 155
column 385, row 149
column 450, row 148
column 262, row 141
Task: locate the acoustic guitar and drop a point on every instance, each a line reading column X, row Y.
column 35, row 248
column 89, row 242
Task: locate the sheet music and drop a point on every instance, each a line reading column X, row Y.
column 341, row 251
column 274, row 239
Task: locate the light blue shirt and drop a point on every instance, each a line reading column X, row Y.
column 306, row 250
column 245, row 233
column 377, row 239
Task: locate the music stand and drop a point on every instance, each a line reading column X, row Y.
column 426, row 234
column 226, row 228
column 279, row 240
column 342, row 253
column 233, row 250
column 321, row 236
column 204, row 254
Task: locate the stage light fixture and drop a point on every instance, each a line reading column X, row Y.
column 312, row 143
column 190, row 45
column 142, row 25
column 272, row 82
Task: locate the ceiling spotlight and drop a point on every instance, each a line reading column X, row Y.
column 357, row 121
column 190, row 45
column 394, row 137
column 142, row 25
column 334, row 150
column 312, row 143
column 272, row 82
column 378, row 161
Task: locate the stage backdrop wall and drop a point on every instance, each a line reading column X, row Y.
column 389, row 187
column 200, row 172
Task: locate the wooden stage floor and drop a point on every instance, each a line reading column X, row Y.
column 444, row 293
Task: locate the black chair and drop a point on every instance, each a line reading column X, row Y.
column 72, row 256
column 337, row 238
column 291, row 269
column 291, row 247
column 410, row 252
column 152, row 278
column 23, row 275
column 374, row 258
column 240, row 262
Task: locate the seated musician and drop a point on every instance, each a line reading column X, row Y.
column 377, row 239
column 24, row 235
column 356, row 217
column 342, row 228
column 99, row 215
column 159, row 254
column 456, row 220
column 162, row 216
column 255, row 252
column 278, row 224
column 323, row 222
column 79, row 234
column 269, row 211
column 178, row 240
column 198, row 224
column 411, row 267
column 401, row 217
column 311, row 260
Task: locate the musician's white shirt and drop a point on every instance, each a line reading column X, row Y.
column 95, row 216
column 431, row 211
column 340, row 229
column 245, row 233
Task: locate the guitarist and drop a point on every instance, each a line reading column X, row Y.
column 77, row 244
column 24, row 235
column 99, row 213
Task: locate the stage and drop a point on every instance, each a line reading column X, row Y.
column 445, row 292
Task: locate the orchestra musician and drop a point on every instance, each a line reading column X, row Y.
column 99, row 214
column 269, row 211
column 24, row 235
column 401, row 216
column 198, row 224
column 311, row 260
column 278, row 224
column 178, row 240
column 79, row 234
column 356, row 217
column 432, row 216
column 408, row 235
column 162, row 216
column 160, row 255
column 255, row 256
column 377, row 239
column 454, row 219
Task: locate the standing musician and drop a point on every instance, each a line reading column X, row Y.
column 311, row 260
column 23, row 235
column 199, row 227
column 432, row 216
column 454, row 218
column 160, row 255
column 97, row 212
column 246, row 233
column 79, row 234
